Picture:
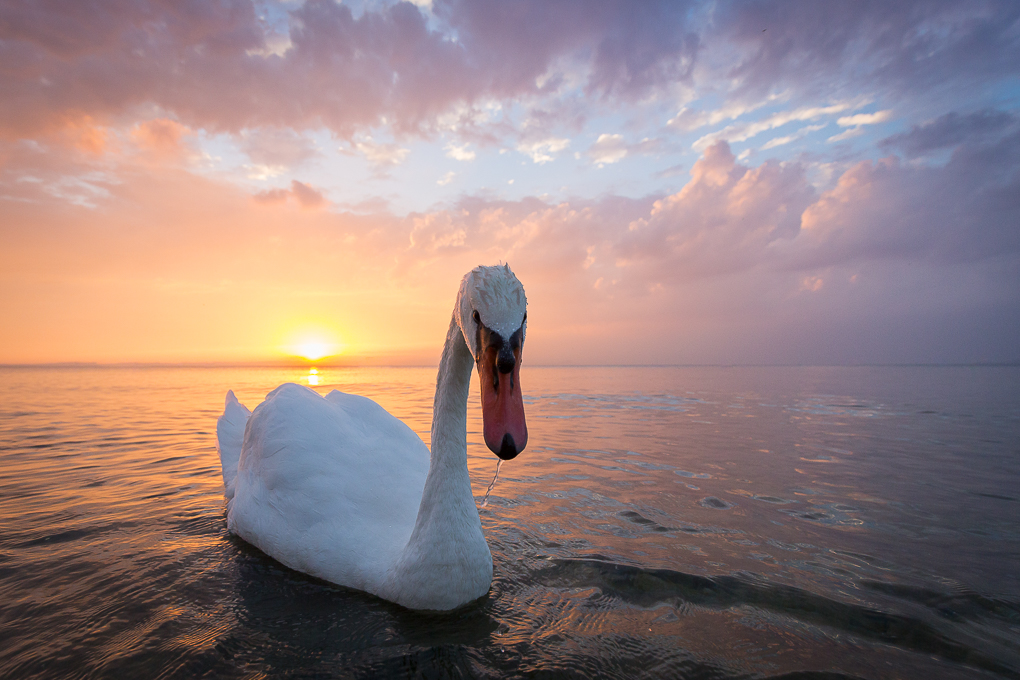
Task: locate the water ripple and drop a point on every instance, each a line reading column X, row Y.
column 697, row 523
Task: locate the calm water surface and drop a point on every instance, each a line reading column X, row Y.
column 664, row 522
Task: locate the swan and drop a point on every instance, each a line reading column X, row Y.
column 338, row 488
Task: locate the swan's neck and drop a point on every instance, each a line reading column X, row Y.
column 447, row 555
column 448, row 487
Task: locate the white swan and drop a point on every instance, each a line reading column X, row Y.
column 338, row 488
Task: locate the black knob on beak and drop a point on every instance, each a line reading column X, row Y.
column 508, row 449
column 506, row 360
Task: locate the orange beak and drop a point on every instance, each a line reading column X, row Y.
column 503, row 425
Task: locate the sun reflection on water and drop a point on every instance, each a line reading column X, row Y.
column 113, row 502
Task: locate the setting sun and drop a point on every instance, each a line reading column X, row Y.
column 314, row 349
column 312, row 344
column 669, row 338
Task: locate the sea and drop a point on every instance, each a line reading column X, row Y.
column 664, row 522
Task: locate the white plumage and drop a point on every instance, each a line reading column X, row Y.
column 338, row 488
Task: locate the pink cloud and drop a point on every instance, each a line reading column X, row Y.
column 893, row 262
column 725, row 219
column 161, row 136
column 305, row 195
column 277, row 147
column 209, row 64
column 966, row 210
column 731, row 218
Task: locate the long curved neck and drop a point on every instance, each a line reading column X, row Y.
column 447, row 495
column 449, row 410
column 447, row 545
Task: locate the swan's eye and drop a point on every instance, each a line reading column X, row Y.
column 475, row 316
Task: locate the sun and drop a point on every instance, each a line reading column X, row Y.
column 313, row 349
column 313, row 344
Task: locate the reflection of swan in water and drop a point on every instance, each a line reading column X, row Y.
column 340, row 489
column 294, row 623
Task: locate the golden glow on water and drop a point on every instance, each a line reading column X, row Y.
column 114, row 541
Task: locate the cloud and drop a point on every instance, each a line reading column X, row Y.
column 688, row 119
column 277, row 147
column 724, row 219
column 107, row 104
column 542, row 151
column 611, row 148
column 750, row 239
column 846, row 134
column 218, row 67
column 305, row 195
column 799, row 134
column 957, row 213
column 381, row 154
column 608, row 148
column 882, row 267
column 84, row 134
column 895, row 48
column 618, row 48
column 743, row 131
column 731, row 218
column 949, row 130
column 894, row 262
column 672, row 171
column 161, row 135
column 459, row 153
column 859, row 119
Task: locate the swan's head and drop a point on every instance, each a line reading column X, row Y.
column 492, row 312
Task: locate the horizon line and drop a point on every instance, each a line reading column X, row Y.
column 306, row 364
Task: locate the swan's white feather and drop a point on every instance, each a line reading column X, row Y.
column 229, row 438
column 338, row 488
column 328, row 486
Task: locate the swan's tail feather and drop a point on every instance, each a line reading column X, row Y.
column 229, row 438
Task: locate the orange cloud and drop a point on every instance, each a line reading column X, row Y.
column 85, row 135
column 161, row 135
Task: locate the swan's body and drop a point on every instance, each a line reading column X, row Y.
column 338, row 488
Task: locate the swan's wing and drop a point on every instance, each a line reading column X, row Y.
column 331, row 488
column 229, row 438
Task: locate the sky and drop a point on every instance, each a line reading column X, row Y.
column 676, row 182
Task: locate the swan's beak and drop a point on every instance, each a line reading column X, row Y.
column 506, row 433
